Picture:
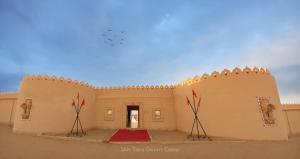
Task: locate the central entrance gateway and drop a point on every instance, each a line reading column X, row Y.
column 132, row 116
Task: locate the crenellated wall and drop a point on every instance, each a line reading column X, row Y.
column 51, row 109
column 291, row 114
column 229, row 106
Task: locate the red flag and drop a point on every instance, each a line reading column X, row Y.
column 83, row 102
column 188, row 101
column 73, row 103
column 194, row 93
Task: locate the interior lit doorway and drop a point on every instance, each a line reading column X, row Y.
column 132, row 116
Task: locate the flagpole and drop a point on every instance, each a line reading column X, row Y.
column 77, row 121
column 195, row 110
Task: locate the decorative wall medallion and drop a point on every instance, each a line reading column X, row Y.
column 267, row 110
column 26, row 106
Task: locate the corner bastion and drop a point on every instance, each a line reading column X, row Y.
column 230, row 105
column 51, row 109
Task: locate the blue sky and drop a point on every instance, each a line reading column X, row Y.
column 164, row 41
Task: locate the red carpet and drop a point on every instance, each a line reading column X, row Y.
column 130, row 135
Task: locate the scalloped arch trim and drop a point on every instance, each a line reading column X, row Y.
column 214, row 75
column 225, row 73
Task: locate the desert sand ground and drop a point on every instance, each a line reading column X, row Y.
column 17, row 146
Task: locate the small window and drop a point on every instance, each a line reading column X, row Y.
column 157, row 115
column 108, row 114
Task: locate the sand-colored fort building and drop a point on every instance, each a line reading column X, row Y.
column 242, row 103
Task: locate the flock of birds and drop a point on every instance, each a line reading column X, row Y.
column 113, row 38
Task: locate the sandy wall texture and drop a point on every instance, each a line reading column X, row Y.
column 7, row 107
column 291, row 113
column 229, row 106
column 51, row 109
column 148, row 99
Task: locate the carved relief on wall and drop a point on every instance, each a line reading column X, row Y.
column 267, row 110
column 26, row 106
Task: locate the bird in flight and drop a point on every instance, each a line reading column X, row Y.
column 113, row 38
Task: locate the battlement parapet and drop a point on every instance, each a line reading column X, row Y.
column 214, row 75
column 225, row 73
column 297, row 104
column 137, row 87
column 57, row 79
column 77, row 82
column 8, row 95
column 291, row 103
column 291, row 106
